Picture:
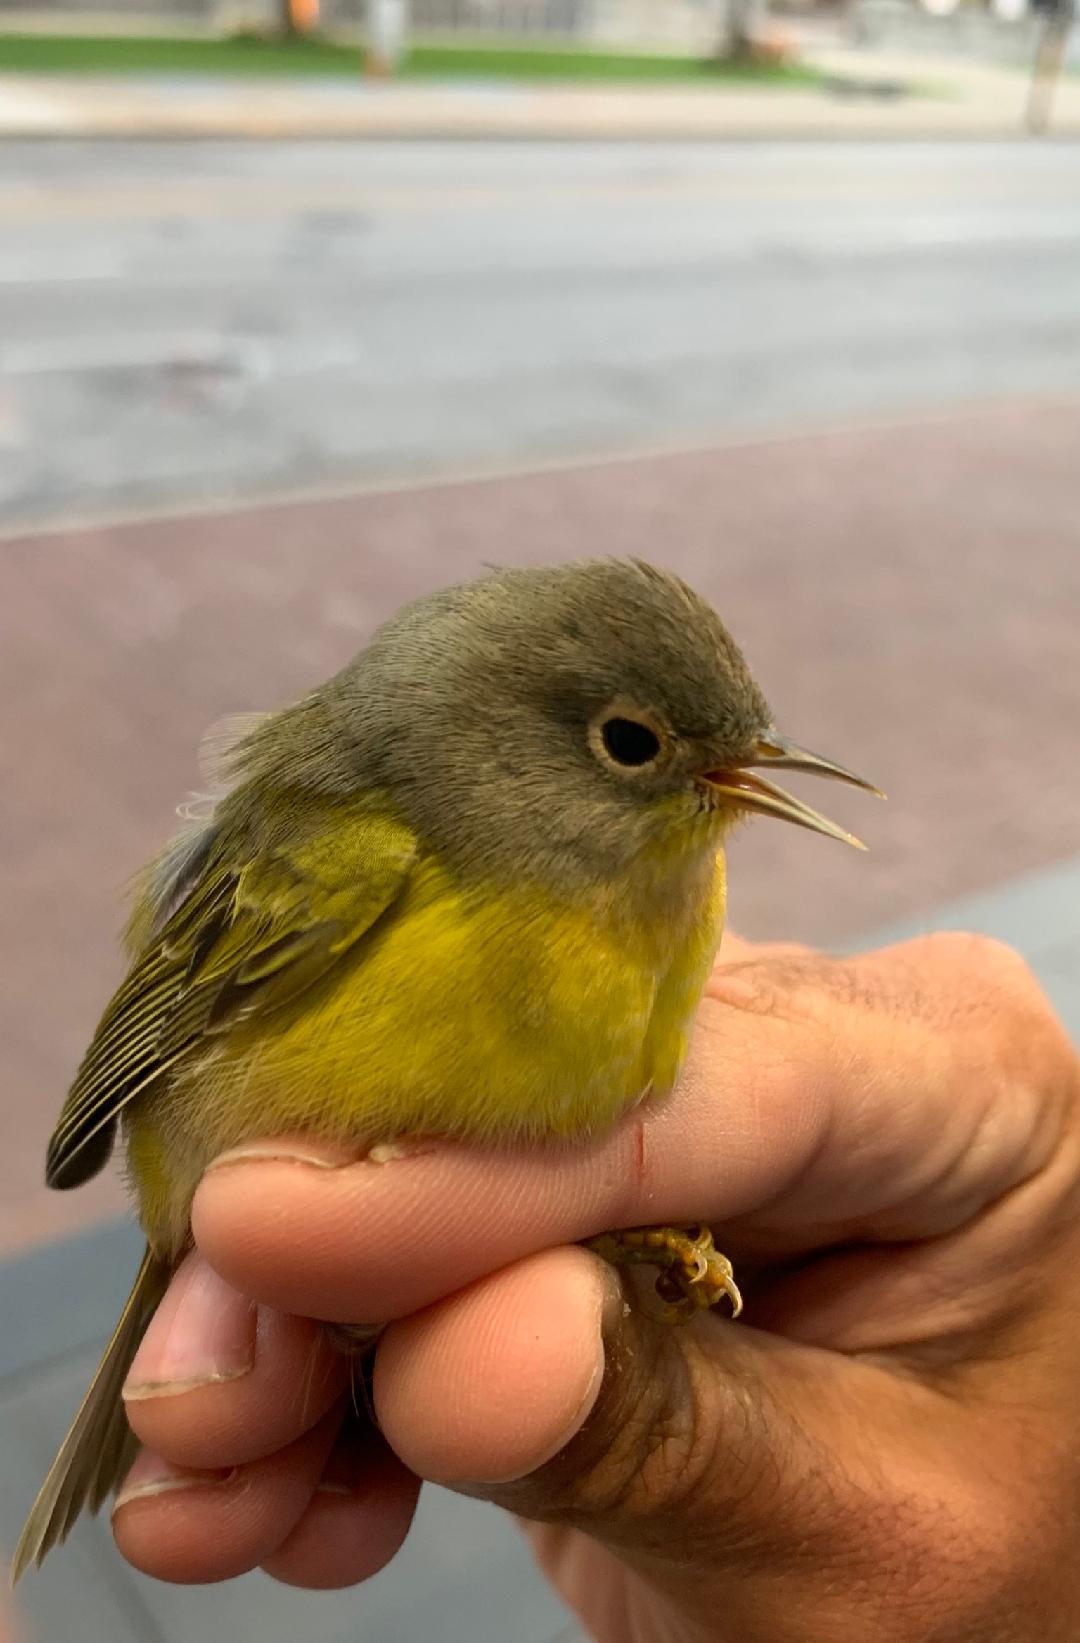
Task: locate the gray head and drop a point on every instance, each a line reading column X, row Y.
column 550, row 722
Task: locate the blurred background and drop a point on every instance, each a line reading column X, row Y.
column 306, row 309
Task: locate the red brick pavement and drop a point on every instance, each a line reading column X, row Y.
column 909, row 596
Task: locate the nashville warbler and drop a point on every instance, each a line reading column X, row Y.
column 471, row 886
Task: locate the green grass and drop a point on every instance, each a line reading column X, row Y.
column 97, row 54
column 529, row 63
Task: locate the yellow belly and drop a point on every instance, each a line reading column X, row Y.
column 463, row 1013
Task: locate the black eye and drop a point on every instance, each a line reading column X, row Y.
column 629, row 742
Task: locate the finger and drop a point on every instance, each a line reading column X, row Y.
column 197, row 1526
column 10, row 1629
column 491, row 1383
column 358, row 1517
column 218, row 1381
column 698, row 1455
column 937, row 1065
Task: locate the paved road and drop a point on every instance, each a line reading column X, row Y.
column 185, row 322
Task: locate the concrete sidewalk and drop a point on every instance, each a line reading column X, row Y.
column 915, row 97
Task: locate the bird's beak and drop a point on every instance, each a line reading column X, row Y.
column 742, row 786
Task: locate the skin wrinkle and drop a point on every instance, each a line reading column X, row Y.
column 815, row 1468
column 935, row 1283
column 359, row 1534
column 826, row 975
column 994, row 1137
column 596, row 1471
column 958, row 1160
column 249, row 1516
column 847, row 1535
column 799, row 1511
column 765, row 1489
column 678, row 1449
column 659, row 1444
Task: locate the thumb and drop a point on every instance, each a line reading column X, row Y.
column 697, row 1455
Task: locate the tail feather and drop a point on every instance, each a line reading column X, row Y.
column 99, row 1445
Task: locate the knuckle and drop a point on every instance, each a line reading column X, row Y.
column 1001, row 966
column 986, row 958
column 981, row 975
column 1014, row 1037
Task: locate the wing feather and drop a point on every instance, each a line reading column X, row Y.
column 247, row 936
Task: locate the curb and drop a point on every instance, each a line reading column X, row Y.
column 34, row 107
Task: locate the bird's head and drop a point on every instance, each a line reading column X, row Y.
column 559, row 721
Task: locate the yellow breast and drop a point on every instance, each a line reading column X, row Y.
column 465, row 1012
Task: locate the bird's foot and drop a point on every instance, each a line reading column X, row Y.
column 693, row 1277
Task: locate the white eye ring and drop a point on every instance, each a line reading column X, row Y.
column 629, row 739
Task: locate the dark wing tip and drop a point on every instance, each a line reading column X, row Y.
column 78, row 1158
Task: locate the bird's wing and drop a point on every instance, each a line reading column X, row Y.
column 248, row 933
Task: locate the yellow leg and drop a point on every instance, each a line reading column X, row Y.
column 693, row 1277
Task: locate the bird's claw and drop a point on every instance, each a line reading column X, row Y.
column 693, row 1277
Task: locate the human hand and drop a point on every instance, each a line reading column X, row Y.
column 888, row 1447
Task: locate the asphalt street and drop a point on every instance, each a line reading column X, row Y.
column 184, row 323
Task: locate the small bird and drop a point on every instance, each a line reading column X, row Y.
column 471, row 886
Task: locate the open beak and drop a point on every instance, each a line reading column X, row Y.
column 744, row 787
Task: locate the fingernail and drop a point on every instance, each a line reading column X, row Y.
column 282, row 1152
column 202, row 1333
column 151, row 1475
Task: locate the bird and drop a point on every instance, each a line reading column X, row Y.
column 471, row 886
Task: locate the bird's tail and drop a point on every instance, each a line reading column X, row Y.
column 99, row 1445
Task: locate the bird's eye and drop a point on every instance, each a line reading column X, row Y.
column 629, row 742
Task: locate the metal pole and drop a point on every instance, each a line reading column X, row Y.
column 1049, row 61
column 387, row 21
